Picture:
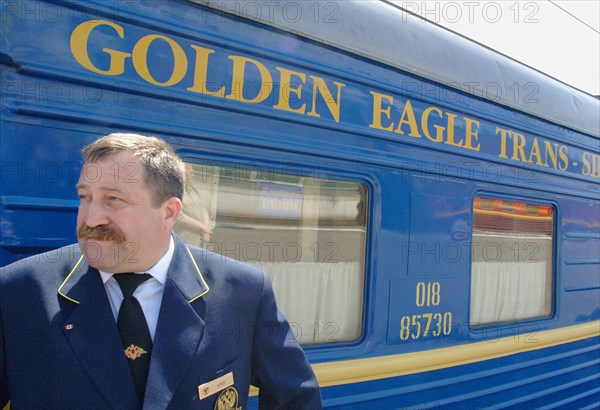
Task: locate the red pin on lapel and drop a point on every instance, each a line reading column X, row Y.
column 70, row 326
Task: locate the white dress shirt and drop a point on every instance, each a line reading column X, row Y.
column 149, row 293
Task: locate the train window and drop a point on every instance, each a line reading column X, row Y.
column 308, row 233
column 512, row 257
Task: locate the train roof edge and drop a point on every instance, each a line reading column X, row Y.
column 365, row 27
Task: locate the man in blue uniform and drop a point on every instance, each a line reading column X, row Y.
column 131, row 317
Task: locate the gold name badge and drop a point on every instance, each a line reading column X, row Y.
column 212, row 387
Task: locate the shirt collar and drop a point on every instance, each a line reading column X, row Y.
column 158, row 271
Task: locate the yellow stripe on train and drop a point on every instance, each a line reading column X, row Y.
column 361, row 370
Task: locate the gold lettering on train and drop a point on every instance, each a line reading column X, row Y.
column 428, row 295
column 238, row 87
column 432, row 118
column 201, row 73
column 238, row 79
column 288, row 88
column 243, row 79
column 333, row 104
column 140, row 60
column 591, row 165
column 79, row 44
column 514, row 145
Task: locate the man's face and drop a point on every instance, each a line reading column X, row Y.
column 117, row 227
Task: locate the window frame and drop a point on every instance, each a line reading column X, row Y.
column 329, row 171
column 553, row 259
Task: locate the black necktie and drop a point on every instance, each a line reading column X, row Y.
column 137, row 343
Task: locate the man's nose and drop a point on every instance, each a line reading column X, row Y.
column 95, row 214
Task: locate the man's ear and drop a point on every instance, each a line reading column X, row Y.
column 172, row 209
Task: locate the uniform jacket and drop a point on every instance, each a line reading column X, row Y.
column 60, row 347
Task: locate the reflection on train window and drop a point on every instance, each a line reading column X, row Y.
column 511, row 275
column 306, row 232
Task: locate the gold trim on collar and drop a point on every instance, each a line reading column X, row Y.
column 66, row 279
column 199, row 274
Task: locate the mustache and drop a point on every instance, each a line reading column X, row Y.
column 101, row 233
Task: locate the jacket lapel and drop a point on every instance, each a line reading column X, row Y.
column 91, row 330
column 179, row 329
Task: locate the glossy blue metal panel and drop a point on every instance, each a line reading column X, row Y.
column 562, row 377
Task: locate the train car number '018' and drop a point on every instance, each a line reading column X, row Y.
column 427, row 295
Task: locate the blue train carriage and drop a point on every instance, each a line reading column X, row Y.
column 428, row 209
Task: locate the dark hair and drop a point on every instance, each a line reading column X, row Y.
column 164, row 173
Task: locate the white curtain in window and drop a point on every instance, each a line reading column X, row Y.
column 322, row 301
column 507, row 291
